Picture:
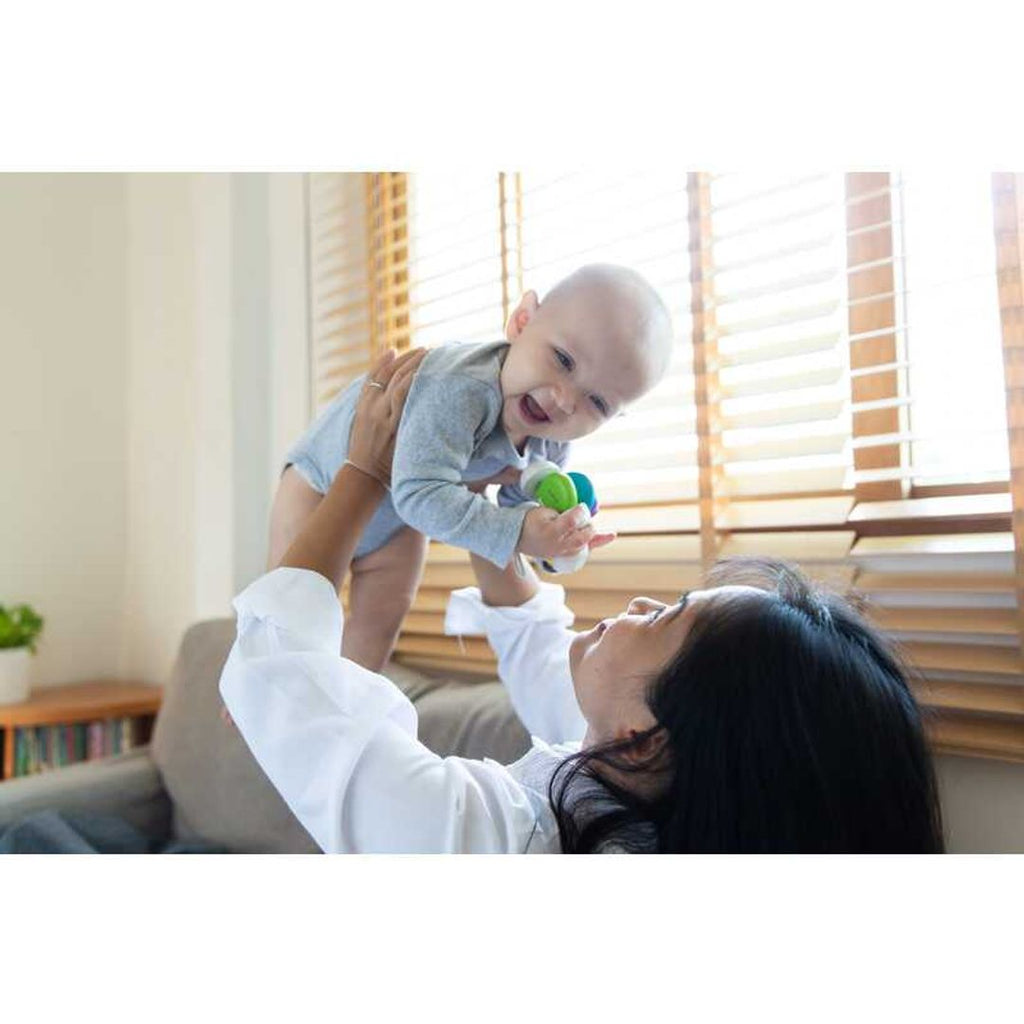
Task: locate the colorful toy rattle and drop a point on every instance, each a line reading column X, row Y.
column 546, row 484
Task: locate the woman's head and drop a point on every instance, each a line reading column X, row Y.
column 755, row 716
column 614, row 663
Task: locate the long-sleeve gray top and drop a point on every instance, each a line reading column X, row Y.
column 450, row 433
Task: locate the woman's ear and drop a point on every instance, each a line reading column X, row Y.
column 645, row 749
column 521, row 315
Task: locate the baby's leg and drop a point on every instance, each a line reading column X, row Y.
column 382, row 588
column 294, row 503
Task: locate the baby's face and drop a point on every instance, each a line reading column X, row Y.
column 571, row 369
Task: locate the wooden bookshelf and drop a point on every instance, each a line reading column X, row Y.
column 73, row 704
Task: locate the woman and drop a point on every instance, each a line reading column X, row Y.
column 750, row 716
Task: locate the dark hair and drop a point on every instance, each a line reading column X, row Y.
column 789, row 726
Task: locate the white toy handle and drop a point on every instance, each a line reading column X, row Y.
column 529, row 480
column 573, row 563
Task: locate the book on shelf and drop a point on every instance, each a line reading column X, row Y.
column 43, row 748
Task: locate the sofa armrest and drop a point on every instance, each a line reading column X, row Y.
column 128, row 786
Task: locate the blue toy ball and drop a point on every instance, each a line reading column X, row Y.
column 585, row 491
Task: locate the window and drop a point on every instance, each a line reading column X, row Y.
column 648, row 455
column 847, row 347
column 776, row 291
column 950, row 311
column 455, row 272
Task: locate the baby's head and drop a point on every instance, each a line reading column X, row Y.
column 601, row 338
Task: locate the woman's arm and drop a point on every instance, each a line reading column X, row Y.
column 531, row 643
column 339, row 744
column 527, row 625
column 337, row 741
column 330, row 535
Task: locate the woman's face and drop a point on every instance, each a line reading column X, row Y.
column 612, row 664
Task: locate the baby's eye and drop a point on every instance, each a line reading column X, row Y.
column 600, row 404
column 564, row 358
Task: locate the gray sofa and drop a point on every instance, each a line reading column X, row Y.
column 197, row 780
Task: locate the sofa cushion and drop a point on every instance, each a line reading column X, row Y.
column 470, row 720
column 128, row 786
column 219, row 792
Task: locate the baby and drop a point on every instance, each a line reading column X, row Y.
column 600, row 339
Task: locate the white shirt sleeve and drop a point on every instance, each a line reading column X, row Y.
column 531, row 642
column 339, row 742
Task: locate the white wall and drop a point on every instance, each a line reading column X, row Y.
column 63, row 348
column 290, row 340
column 214, row 506
column 214, row 285
column 166, row 400
column 251, row 384
column 136, row 313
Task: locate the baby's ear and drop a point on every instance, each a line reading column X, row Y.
column 521, row 315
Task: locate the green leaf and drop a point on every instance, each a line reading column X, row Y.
column 20, row 625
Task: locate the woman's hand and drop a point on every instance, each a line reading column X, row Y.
column 371, row 446
column 329, row 537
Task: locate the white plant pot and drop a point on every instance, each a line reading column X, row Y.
column 15, row 669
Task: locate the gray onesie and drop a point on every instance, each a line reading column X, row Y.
column 450, row 433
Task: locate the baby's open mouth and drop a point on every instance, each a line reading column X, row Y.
column 531, row 411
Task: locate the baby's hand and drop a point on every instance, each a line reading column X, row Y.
column 546, row 534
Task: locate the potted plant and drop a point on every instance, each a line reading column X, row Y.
column 19, row 627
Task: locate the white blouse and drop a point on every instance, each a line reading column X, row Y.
column 339, row 742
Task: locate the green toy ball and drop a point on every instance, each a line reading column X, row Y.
column 557, row 491
column 546, row 484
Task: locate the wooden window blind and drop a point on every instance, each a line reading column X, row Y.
column 935, row 553
column 833, row 398
column 774, row 292
column 455, row 259
column 339, row 284
column 644, row 463
column 358, row 290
